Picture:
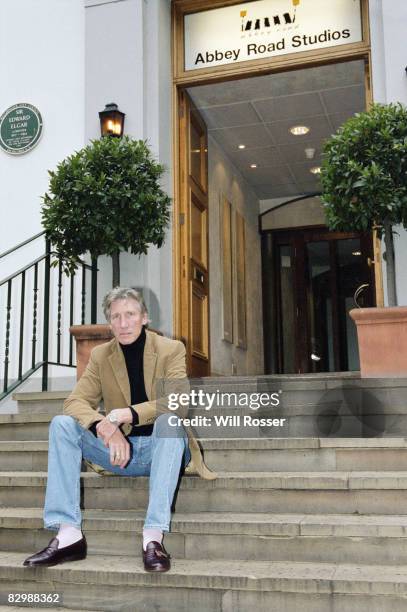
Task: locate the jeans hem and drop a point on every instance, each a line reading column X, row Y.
column 56, row 526
column 161, row 527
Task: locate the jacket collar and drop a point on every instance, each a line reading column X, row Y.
column 118, row 364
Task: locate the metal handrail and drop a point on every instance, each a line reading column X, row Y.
column 18, row 246
column 21, row 270
column 41, row 295
column 30, row 265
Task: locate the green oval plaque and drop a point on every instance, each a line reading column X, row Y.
column 20, row 128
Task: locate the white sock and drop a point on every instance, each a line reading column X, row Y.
column 68, row 534
column 152, row 535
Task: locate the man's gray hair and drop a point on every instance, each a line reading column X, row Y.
column 122, row 293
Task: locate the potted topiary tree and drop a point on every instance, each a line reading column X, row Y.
column 364, row 187
column 102, row 200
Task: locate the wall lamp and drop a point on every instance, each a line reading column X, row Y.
column 111, row 121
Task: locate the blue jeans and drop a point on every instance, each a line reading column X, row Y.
column 158, row 456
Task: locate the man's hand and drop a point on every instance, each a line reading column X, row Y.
column 105, row 429
column 119, row 449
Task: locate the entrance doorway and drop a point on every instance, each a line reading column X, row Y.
column 249, row 132
column 318, row 276
column 246, row 148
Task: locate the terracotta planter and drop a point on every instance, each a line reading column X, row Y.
column 87, row 337
column 382, row 339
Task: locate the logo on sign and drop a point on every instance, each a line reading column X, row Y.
column 258, row 24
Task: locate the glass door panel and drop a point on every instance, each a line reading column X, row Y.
column 319, row 307
column 351, row 269
column 287, row 309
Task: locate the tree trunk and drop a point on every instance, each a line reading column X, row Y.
column 116, row 269
column 390, row 264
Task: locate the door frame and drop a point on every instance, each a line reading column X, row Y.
column 194, row 279
column 219, row 74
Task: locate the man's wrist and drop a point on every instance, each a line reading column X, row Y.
column 113, row 418
column 123, row 415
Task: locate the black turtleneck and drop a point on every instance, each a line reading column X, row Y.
column 133, row 355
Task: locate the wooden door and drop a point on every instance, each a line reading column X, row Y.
column 193, row 207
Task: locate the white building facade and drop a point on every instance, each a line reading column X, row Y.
column 71, row 57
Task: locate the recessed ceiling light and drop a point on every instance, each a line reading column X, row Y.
column 242, row 146
column 357, row 253
column 253, row 165
column 299, row 130
column 315, row 170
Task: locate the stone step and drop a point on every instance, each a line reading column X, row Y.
column 306, row 454
column 13, row 608
column 267, row 454
column 120, row 583
column 24, row 426
column 35, row 426
column 312, row 492
column 364, row 539
column 24, row 608
column 337, row 411
column 322, row 380
column 326, row 380
column 347, row 394
column 30, row 402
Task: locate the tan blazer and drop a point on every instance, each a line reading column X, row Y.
column 106, row 378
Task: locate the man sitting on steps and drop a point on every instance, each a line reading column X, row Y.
column 133, row 439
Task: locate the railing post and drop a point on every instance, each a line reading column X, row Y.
column 45, row 347
column 59, row 314
column 22, row 307
column 71, row 311
column 35, row 301
column 94, row 291
column 83, row 295
column 7, row 347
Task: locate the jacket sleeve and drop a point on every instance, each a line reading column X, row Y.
column 83, row 402
column 175, row 381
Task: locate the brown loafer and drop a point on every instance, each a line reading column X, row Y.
column 51, row 555
column 156, row 558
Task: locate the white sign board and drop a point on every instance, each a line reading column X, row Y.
column 268, row 28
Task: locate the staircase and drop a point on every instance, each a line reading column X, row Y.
column 301, row 521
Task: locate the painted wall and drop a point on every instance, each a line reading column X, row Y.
column 42, row 62
column 297, row 214
column 42, row 51
column 128, row 61
column 226, row 181
column 102, row 51
column 273, row 202
column 388, row 19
